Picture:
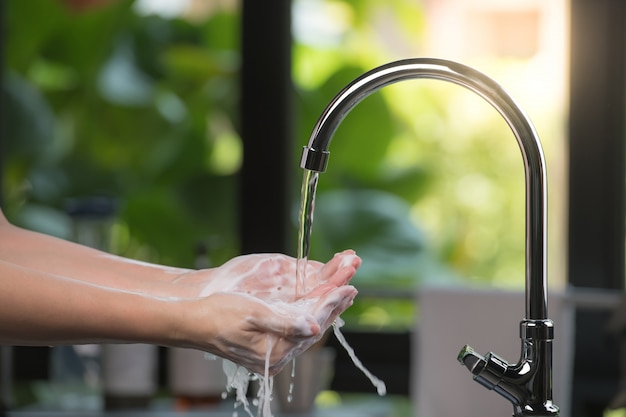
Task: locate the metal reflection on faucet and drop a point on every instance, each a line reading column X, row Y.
column 527, row 384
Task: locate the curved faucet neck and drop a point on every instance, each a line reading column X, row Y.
column 315, row 154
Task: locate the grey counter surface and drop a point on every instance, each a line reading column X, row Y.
column 366, row 407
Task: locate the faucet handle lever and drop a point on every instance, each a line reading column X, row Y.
column 487, row 370
column 471, row 360
column 494, row 373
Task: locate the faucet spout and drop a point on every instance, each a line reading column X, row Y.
column 315, row 158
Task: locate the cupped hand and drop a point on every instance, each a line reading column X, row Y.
column 270, row 277
column 249, row 327
column 251, row 303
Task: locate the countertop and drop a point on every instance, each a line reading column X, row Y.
column 368, row 406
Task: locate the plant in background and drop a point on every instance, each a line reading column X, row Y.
column 108, row 102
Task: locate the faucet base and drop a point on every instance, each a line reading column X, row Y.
column 527, row 384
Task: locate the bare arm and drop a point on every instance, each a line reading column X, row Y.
column 40, row 309
column 44, row 309
column 56, row 256
column 56, row 292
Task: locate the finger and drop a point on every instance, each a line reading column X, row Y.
column 333, row 304
column 346, row 271
column 327, row 273
column 340, row 278
column 340, row 261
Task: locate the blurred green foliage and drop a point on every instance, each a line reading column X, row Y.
column 108, row 102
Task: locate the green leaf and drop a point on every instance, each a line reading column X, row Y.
column 39, row 21
column 155, row 218
column 222, row 31
column 29, row 120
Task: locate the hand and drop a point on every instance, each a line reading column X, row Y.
column 251, row 305
column 248, row 328
column 72, row 294
column 268, row 276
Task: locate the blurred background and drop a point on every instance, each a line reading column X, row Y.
column 171, row 131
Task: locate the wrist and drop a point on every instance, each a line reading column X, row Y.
column 136, row 318
column 186, row 324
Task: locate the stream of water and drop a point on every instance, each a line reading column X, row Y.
column 305, row 221
column 307, row 206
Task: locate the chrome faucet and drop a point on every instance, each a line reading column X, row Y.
column 527, row 384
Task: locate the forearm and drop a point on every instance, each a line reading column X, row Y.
column 59, row 257
column 43, row 309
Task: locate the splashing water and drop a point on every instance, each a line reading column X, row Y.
column 238, row 381
column 268, row 382
column 291, row 383
column 381, row 388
